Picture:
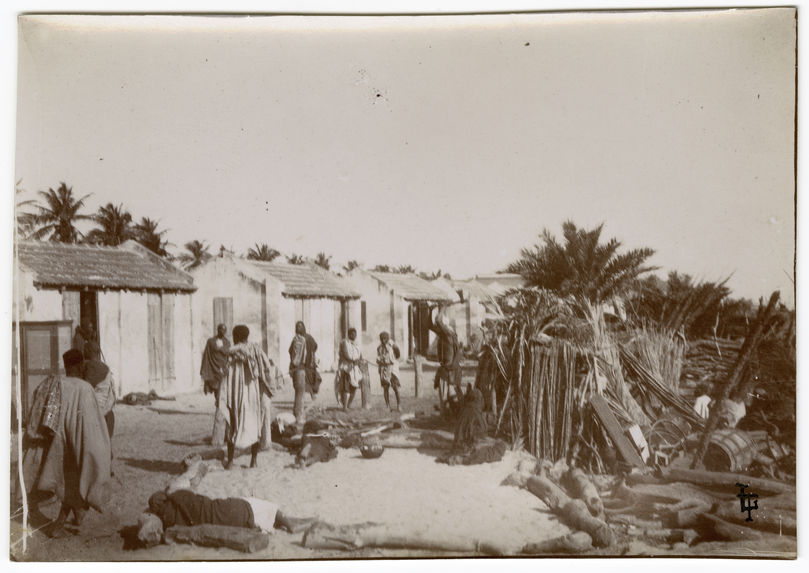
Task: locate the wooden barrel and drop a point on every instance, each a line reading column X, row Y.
column 730, row 451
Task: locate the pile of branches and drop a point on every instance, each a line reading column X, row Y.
column 541, row 364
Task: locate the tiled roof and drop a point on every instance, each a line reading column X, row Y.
column 302, row 281
column 412, row 287
column 128, row 267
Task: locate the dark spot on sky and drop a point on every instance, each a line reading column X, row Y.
column 758, row 96
column 528, row 43
column 101, row 159
column 378, row 95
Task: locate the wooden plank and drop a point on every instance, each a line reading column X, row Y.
column 167, row 312
column 616, row 433
column 208, row 535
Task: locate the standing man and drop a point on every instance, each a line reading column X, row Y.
column 302, row 368
column 387, row 358
column 449, row 356
column 349, row 368
column 214, row 370
column 99, row 375
column 74, row 445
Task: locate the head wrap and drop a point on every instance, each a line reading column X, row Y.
column 240, row 333
column 72, row 358
column 300, row 327
column 157, row 501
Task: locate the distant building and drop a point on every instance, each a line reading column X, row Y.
column 400, row 305
column 269, row 297
column 138, row 304
column 501, row 282
column 478, row 303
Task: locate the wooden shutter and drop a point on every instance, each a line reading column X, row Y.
column 167, row 310
column 223, row 312
column 154, row 332
column 71, row 309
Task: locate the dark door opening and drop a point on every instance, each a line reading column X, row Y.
column 88, row 312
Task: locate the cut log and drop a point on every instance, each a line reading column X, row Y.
column 576, row 515
column 727, row 481
column 718, row 528
column 553, row 496
column 580, row 487
column 573, row 543
column 764, row 519
column 352, row 537
column 635, row 521
column 207, row 535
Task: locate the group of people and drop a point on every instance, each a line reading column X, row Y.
column 69, row 427
column 242, row 415
column 350, row 368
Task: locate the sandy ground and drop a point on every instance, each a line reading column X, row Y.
column 405, row 489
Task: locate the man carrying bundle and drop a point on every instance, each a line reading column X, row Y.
column 449, row 356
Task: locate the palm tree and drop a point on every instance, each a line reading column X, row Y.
column 296, row 259
column 582, row 266
column 405, row 269
column 323, row 260
column 262, row 252
column 351, row 265
column 196, row 254
column 116, row 226
column 55, row 218
column 146, row 234
column 25, row 221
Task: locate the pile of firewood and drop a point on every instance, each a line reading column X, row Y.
column 674, row 510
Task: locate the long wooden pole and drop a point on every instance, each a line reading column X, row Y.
column 751, row 342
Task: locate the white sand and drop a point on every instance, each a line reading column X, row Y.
column 404, row 489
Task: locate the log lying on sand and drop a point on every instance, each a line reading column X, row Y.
column 576, row 515
column 579, row 486
column 764, row 519
column 553, row 496
column 207, row 535
column 352, row 537
column 716, row 528
column 727, row 480
column 577, row 542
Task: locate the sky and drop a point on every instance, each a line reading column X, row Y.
column 443, row 142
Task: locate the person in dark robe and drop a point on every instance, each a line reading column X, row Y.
column 186, row 508
column 471, row 423
column 99, row 375
column 72, row 446
column 214, row 371
column 303, row 369
column 83, row 335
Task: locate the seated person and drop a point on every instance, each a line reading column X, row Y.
column 184, row 507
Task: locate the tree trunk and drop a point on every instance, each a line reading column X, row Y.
column 208, row 535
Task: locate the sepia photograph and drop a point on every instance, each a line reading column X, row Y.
column 424, row 286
